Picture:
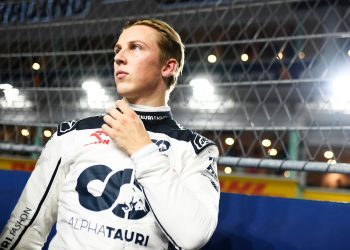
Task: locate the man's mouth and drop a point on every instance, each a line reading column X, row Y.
column 121, row 74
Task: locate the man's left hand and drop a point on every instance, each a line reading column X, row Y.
column 125, row 128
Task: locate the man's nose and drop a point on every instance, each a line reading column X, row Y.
column 120, row 58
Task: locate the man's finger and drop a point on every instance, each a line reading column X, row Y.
column 113, row 112
column 107, row 129
column 117, row 116
column 111, row 122
column 124, row 107
column 108, row 119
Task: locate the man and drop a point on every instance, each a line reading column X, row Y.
column 132, row 179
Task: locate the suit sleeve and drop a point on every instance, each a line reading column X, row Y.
column 36, row 210
column 185, row 205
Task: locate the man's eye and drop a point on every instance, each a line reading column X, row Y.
column 136, row 47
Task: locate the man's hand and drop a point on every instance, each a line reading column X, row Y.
column 125, row 128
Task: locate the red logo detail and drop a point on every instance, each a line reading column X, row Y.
column 101, row 137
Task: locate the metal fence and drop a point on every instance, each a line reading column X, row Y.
column 270, row 75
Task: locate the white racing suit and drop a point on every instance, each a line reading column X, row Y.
column 165, row 196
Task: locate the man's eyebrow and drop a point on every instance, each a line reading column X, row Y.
column 137, row 41
column 118, row 46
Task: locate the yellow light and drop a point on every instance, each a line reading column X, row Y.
column 286, row 174
column 301, row 55
column 47, row 133
column 244, row 57
column 266, row 143
column 272, row 151
column 229, row 141
column 328, row 154
column 279, row 56
column 228, row 170
column 25, row 132
column 36, row 66
column 332, row 161
column 212, row 58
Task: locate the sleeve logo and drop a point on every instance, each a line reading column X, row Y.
column 210, row 173
column 200, row 142
column 65, row 127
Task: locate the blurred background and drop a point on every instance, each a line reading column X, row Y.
column 262, row 79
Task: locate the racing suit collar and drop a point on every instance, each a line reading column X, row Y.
column 144, row 108
column 152, row 114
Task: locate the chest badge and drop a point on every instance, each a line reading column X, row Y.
column 99, row 137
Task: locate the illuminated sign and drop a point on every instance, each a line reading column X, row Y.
column 327, row 195
column 34, row 11
column 17, row 164
column 259, row 186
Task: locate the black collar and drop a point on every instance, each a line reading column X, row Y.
column 154, row 117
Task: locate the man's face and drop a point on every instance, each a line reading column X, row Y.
column 137, row 68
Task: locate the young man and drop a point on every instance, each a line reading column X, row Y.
column 132, row 179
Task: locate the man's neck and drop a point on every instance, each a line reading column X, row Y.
column 151, row 102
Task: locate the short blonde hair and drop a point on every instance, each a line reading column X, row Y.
column 170, row 44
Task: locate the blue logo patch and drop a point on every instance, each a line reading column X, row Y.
column 163, row 145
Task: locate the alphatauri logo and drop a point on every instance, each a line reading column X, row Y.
column 163, row 145
column 98, row 191
column 67, row 126
column 200, row 141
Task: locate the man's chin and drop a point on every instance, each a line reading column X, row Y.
column 126, row 94
column 123, row 90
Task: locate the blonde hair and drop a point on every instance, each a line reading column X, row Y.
column 169, row 43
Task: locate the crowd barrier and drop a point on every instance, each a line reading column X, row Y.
column 246, row 222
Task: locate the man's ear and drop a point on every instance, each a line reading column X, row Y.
column 169, row 68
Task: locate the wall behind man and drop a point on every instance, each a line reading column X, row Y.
column 245, row 222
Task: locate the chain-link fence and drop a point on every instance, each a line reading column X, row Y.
column 263, row 79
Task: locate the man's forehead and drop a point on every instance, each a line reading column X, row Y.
column 140, row 33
